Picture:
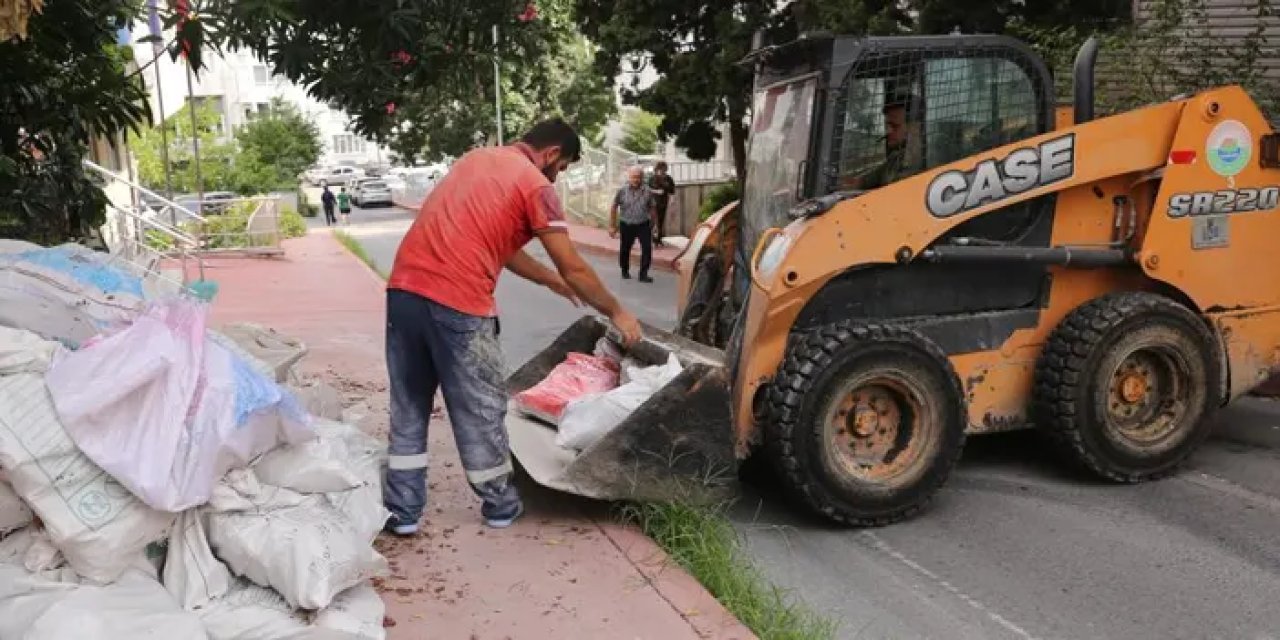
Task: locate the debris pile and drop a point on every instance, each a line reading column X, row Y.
column 588, row 395
column 162, row 479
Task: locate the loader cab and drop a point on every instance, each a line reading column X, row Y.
column 834, row 117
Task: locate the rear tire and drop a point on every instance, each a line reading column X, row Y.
column 1125, row 383
column 866, row 422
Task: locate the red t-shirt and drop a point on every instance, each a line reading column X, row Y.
column 490, row 204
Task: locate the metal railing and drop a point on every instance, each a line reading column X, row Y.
column 587, row 188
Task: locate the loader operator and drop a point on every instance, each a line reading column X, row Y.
column 895, row 165
column 442, row 327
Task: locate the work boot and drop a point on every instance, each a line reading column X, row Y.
column 645, row 278
column 626, row 275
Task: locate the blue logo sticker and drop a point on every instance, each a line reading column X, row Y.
column 1230, row 146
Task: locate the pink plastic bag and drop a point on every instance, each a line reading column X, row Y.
column 579, row 375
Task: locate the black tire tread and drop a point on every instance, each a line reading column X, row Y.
column 809, row 353
column 1060, row 379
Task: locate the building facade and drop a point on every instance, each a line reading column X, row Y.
column 240, row 86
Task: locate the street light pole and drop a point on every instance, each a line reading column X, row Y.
column 497, row 82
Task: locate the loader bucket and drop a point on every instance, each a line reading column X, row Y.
column 678, row 444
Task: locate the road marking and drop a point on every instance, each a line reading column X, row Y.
column 884, row 547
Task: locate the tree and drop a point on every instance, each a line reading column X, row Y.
column 64, row 84
column 994, row 16
column 695, row 47
column 640, row 132
column 225, row 165
column 282, row 140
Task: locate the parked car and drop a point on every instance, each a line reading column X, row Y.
column 341, row 175
column 369, row 192
column 214, row 202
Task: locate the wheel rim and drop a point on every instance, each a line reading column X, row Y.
column 1146, row 396
column 878, row 428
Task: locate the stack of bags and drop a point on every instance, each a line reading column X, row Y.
column 156, row 481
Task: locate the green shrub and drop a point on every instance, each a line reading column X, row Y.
column 717, row 199
column 291, row 224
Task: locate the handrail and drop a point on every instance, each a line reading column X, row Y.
column 141, row 189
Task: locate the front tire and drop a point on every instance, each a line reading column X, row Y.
column 1125, row 384
column 866, row 422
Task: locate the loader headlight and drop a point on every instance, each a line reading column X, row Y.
column 773, row 255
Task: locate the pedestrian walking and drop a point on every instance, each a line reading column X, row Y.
column 327, row 201
column 344, row 205
column 442, row 320
column 631, row 215
column 662, row 186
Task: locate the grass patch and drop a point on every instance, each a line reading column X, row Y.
column 358, row 251
column 703, row 541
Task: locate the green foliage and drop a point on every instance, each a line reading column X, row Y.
column 718, row 199
column 703, row 542
column 413, row 74
column 265, row 155
column 291, row 224
column 283, row 140
column 640, row 132
column 1169, row 52
column 64, row 84
column 995, row 16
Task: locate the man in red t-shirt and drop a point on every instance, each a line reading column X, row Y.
column 442, row 326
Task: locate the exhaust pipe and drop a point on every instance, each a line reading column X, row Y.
column 1082, row 77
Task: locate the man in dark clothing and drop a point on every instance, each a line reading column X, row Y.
column 662, row 187
column 328, row 200
column 632, row 214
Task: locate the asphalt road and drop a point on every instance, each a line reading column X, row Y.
column 1015, row 546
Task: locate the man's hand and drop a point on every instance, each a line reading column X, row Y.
column 628, row 326
column 563, row 289
column 613, row 231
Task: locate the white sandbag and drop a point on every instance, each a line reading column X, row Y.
column 251, row 612
column 589, row 418
column 166, row 410
column 300, row 545
column 68, row 293
column 319, row 399
column 97, row 524
column 22, row 351
column 31, row 549
column 356, row 612
column 279, row 352
column 48, row 606
column 191, row 573
column 319, row 465
column 14, row 513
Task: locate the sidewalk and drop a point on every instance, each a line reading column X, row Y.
column 597, row 241
column 560, row 572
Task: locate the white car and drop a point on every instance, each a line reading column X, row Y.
column 337, row 175
column 371, row 191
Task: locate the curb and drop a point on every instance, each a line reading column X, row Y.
column 704, row 614
column 667, row 265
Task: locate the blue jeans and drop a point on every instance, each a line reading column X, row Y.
column 431, row 346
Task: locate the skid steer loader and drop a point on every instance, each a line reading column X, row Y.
column 927, row 248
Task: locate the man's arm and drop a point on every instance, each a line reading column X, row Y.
column 583, row 280
column 613, row 214
column 529, row 268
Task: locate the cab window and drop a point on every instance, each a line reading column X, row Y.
column 903, row 113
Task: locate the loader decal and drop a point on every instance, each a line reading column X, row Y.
column 1230, row 146
column 1230, row 201
column 954, row 192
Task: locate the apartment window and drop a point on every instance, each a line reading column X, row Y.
column 347, row 143
column 261, row 74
